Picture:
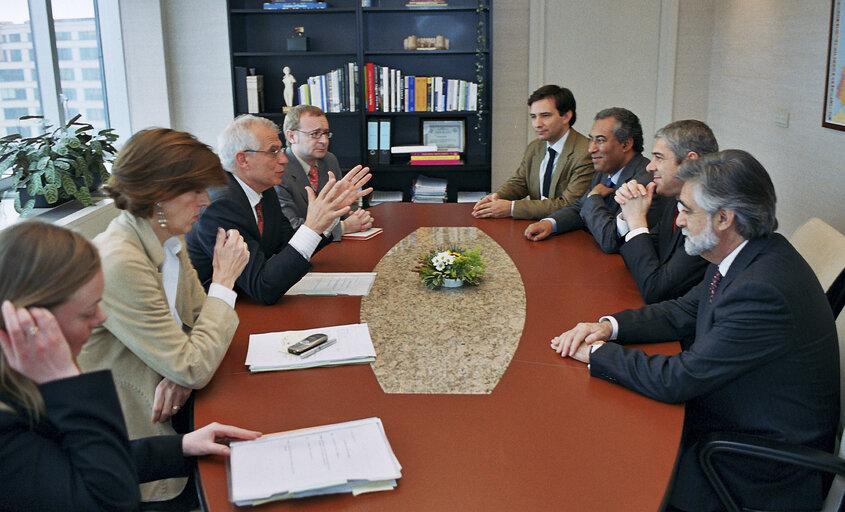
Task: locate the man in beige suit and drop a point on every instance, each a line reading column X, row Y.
column 556, row 168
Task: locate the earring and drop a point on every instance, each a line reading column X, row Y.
column 162, row 219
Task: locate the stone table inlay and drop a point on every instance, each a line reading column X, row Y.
column 448, row 340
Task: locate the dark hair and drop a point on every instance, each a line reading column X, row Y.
column 688, row 135
column 734, row 180
column 564, row 100
column 158, row 164
column 627, row 126
column 42, row 266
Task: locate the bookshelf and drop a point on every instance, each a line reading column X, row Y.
column 347, row 32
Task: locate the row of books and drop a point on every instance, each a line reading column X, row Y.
column 274, row 6
column 391, row 90
column 436, row 158
column 333, row 91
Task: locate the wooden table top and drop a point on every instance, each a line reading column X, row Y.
column 548, row 437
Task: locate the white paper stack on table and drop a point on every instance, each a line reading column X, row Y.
column 269, row 351
column 334, row 283
column 354, row 457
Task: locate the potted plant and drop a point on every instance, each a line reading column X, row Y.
column 58, row 165
column 450, row 268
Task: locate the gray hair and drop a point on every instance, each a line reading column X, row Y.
column 688, row 135
column 238, row 136
column 734, row 180
column 627, row 125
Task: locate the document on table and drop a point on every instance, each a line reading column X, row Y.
column 354, row 456
column 334, row 283
column 269, row 351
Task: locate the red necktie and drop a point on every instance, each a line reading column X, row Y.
column 312, row 178
column 675, row 221
column 259, row 215
column 714, row 284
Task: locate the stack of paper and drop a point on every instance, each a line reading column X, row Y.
column 385, row 196
column 429, row 190
column 363, row 235
column 334, row 283
column 471, row 196
column 351, row 457
column 269, row 351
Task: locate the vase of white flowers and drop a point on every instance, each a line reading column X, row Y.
column 450, row 268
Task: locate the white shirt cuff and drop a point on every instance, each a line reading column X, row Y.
column 615, row 325
column 305, row 241
column 621, row 225
column 554, row 223
column 512, row 203
column 635, row 232
column 328, row 232
column 225, row 294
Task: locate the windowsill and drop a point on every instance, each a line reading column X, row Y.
column 87, row 220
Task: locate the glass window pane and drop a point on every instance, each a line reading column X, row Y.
column 15, row 113
column 93, row 94
column 67, row 74
column 11, row 75
column 86, row 35
column 13, row 94
column 65, row 53
column 91, row 73
column 17, row 76
column 89, row 54
column 15, row 56
column 63, row 36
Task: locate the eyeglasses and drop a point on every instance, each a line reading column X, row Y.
column 316, row 134
column 271, row 153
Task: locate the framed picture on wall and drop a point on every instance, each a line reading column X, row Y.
column 446, row 134
column 834, row 95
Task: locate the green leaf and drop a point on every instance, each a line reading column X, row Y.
column 62, row 165
column 68, row 185
column 33, row 188
column 83, row 195
column 96, row 147
column 51, row 193
column 81, row 166
column 88, row 178
column 52, row 177
column 42, row 163
column 23, row 210
column 73, row 142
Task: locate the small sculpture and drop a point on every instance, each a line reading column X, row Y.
column 426, row 43
column 288, row 80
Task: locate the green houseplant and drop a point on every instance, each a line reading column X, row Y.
column 58, row 165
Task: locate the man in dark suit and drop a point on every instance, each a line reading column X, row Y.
column 656, row 257
column 616, row 144
column 765, row 357
column 556, row 167
column 279, row 255
column 309, row 162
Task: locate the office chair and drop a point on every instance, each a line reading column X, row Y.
column 784, row 453
column 824, row 249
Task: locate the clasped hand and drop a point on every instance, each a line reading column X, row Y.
column 231, row 254
column 635, row 199
column 575, row 343
column 490, row 206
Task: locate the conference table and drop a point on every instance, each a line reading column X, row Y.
column 546, row 436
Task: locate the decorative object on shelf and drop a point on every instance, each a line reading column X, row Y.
column 450, row 268
column 426, row 3
column 446, row 134
column 255, row 94
column 426, row 43
column 365, row 3
column 58, row 165
column 275, row 6
column 287, row 81
column 298, row 42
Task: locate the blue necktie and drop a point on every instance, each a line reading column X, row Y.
column 550, row 168
column 609, row 198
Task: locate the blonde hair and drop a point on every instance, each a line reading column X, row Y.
column 42, row 266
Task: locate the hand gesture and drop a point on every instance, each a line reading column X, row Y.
column 570, row 342
column 213, row 438
column 331, row 203
column 354, row 181
column 492, row 207
column 34, row 346
column 538, row 230
column 601, row 189
column 169, row 398
column 231, row 255
column 359, row 220
column 635, row 200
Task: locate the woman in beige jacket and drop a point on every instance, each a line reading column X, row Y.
column 163, row 336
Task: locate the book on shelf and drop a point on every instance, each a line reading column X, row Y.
column 255, row 93
column 272, row 6
column 413, row 149
column 385, row 196
column 363, row 235
column 333, row 91
column 384, row 141
column 436, row 158
column 353, row 456
column 393, row 90
column 372, row 141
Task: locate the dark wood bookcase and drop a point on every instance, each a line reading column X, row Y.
column 347, row 32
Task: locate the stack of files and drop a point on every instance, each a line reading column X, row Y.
column 333, row 91
column 471, row 196
column 354, row 456
column 269, row 351
column 436, row 158
column 294, row 4
column 385, row 196
column 429, row 190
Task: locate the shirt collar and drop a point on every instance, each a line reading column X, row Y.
column 725, row 264
column 251, row 195
column 615, row 177
column 558, row 146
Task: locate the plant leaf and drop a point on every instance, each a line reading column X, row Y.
column 51, row 193
column 68, row 185
column 83, row 195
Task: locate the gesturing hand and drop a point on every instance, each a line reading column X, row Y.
column 34, row 345
column 231, row 255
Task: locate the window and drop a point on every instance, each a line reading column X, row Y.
column 31, row 55
column 11, row 75
column 69, row 93
column 13, row 94
column 14, row 38
column 93, row 94
column 96, row 114
column 67, row 74
column 15, row 113
column 15, row 56
column 24, row 131
column 90, row 73
column 63, row 36
column 71, row 112
column 64, row 53
column 89, row 54
column 88, row 35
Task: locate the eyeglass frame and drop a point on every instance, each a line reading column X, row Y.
column 271, row 153
column 316, row 134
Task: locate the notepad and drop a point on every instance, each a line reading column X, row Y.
column 269, row 351
column 354, row 456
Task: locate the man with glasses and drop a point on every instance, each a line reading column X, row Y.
column 616, row 145
column 309, row 163
column 279, row 255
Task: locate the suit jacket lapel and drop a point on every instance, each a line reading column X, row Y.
column 565, row 154
column 667, row 237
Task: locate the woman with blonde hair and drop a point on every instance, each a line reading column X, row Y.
column 63, row 442
column 164, row 336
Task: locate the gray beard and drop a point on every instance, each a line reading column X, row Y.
column 705, row 242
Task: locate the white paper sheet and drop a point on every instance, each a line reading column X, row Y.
column 334, row 283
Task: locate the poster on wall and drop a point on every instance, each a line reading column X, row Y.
column 834, row 97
